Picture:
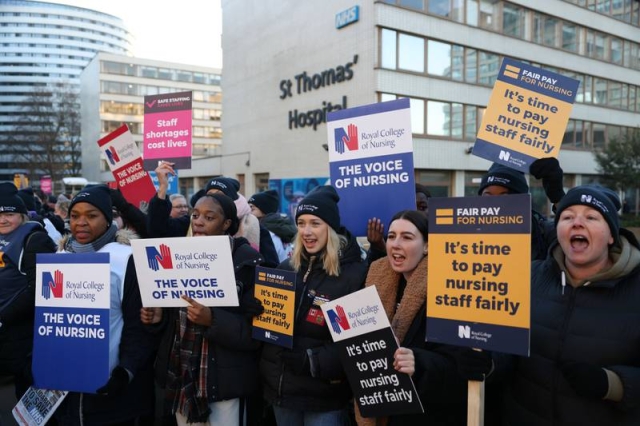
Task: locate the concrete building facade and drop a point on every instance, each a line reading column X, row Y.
column 287, row 63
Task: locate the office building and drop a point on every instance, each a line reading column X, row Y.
column 281, row 60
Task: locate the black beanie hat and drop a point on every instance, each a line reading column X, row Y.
column 322, row 201
column 98, row 196
column 597, row 197
column 506, row 177
column 266, row 201
column 228, row 186
column 229, row 209
column 10, row 202
column 26, row 194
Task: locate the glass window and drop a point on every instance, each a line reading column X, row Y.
column 411, row 55
column 165, row 74
column 549, row 37
column 417, row 115
column 538, row 28
column 614, row 133
column 598, row 135
column 470, row 122
column 489, row 14
column 569, row 135
column 600, row 85
column 581, row 134
column 413, row 4
column 457, row 63
column 457, row 11
column 149, row 72
column 513, row 20
column 616, row 50
column 603, row 6
column 580, row 93
column 384, row 97
column 488, row 72
column 438, row 183
column 198, row 77
column 632, row 98
column 472, row 183
column 615, row 94
column 439, row 57
column 569, row 40
column 184, row 76
column 471, row 66
column 438, row 117
column 457, row 118
column 440, row 7
column 472, row 13
column 588, row 88
column 389, row 51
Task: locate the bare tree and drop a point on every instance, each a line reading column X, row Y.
column 47, row 139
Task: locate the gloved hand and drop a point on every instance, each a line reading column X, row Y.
column 117, row 199
column 296, row 360
column 117, row 383
column 589, row 381
column 549, row 170
column 252, row 306
column 473, row 364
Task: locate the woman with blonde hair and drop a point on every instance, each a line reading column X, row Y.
column 306, row 384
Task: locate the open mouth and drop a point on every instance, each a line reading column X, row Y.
column 579, row 242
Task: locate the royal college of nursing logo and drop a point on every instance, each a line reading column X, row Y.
column 338, row 319
column 52, row 285
column 156, row 258
column 112, row 155
column 348, row 139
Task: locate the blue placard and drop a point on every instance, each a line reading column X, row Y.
column 173, row 182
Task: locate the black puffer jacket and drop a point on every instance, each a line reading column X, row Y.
column 328, row 388
column 596, row 323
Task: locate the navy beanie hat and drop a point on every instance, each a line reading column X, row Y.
column 98, row 196
column 267, row 201
column 28, row 198
column 597, row 197
column 228, row 186
column 506, row 177
column 10, row 202
column 322, row 202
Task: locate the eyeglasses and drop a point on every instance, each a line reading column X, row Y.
column 181, row 207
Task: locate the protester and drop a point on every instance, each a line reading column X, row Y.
column 126, row 395
column 53, row 225
column 584, row 367
column 264, row 206
column 422, row 199
column 61, row 210
column 306, row 385
column 128, row 216
column 20, row 240
column 179, row 206
column 207, row 361
column 401, row 281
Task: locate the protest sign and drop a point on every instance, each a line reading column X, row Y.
column 125, row 163
column 478, row 291
column 172, row 180
column 366, row 344
column 167, row 130
column 71, row 332
column 526, row 116
column 276, row 290
column 37, row 406
column 198, row 267
column 371, row 162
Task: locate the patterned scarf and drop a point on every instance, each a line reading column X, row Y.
column 187, row 376
column 72, row 246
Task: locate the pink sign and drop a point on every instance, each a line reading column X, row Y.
column 45, row 184
column 167, row 130
column 125, row 162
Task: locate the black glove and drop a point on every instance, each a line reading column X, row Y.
column 296, row 360
column 252, row 306
column 117, row 383
column 587, row 380
column 472, row 364
column 118, row 200
column 549, row 170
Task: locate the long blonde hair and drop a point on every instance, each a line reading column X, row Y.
column 330, row 256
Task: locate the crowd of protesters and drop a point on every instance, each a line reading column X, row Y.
column 199, row 365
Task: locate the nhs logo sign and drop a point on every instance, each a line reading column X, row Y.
column 347, row 17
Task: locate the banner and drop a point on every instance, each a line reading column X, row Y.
column 480, row 272
column 37, row 406
column 371, row 162
column 198, row 267
column 125, row 163
column 71, row 333
column 167, row 130
column 276, row 290
column 366, row 343
column 526, row 116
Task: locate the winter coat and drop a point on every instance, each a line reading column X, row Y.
column 232, row 370
column 135, row 354
column 17, row 295
column 441, row 390
column 596, row 323
column 324, row 387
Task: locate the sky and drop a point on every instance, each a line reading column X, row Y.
column 184, row 31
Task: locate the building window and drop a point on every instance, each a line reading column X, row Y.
column 513, row 20
column 438, row 120
column 439, row 57
column 411, row 53
column 413, row 4
column 417, row 116
column 440, row 7
column 389, row 49
column 569, row 39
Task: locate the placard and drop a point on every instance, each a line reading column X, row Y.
column 37, row 406
column 198, row 267
column 276, row 290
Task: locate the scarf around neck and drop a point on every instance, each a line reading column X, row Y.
column 109, row 236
